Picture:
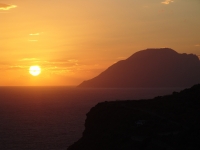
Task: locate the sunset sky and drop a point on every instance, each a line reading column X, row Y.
column 75, row 40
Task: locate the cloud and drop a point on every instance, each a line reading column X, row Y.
column 55, row 66
column 29, row 59
column 166, row 2
column 8, row 66
column 34, row 34
column 59, row 66
column 6, row 6
column 16, row 67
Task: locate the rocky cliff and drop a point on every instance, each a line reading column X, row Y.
column 162, row 67
column 169, row 122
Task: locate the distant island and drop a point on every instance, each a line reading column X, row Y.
column 162, row 67
column 169, row 122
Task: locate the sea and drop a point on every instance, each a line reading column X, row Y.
column 53, row 117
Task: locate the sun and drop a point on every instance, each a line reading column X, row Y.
column 34, row 70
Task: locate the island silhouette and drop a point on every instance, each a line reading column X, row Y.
column 153, row 67
column 170, row 122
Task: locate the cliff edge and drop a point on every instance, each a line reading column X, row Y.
column 161, row 67
column 164, row 123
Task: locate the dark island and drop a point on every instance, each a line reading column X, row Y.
column 162, row 67
column 169, row 122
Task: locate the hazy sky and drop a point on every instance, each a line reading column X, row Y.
column 75, row 40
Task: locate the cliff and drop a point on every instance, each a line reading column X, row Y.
column 162, row 67
column 164, row 123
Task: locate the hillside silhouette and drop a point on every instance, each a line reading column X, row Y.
column 169, row 122
column 161, row 67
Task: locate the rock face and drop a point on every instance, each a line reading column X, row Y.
column 150, row 68
column 164, row 123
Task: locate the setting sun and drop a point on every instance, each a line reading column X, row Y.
column 34, row 70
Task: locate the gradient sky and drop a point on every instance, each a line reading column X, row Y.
column 75, row 40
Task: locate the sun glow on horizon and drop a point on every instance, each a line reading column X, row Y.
column 34, row 70
column 74, row 41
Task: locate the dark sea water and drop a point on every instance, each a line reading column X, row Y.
column 52, row 118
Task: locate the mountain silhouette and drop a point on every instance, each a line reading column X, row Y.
column 161, row 67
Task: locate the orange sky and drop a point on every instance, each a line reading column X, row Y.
column 75, row 40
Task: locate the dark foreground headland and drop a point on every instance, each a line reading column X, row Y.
column 169, row 122
column 162, row 67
